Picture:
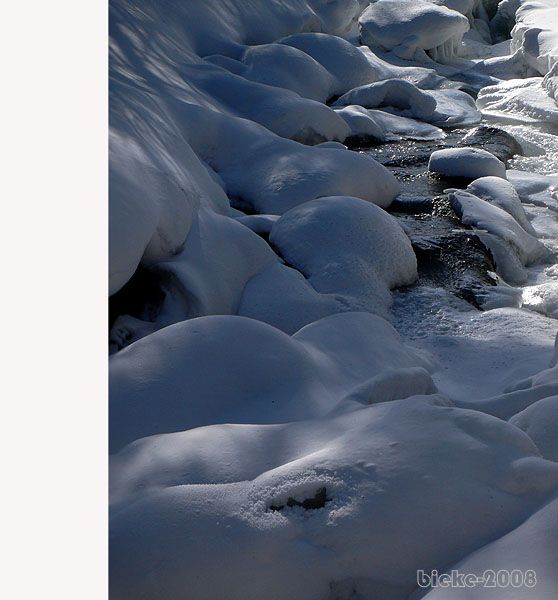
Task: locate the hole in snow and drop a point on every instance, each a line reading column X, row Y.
column 317, row 501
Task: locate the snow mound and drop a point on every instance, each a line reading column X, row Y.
column 469, row 163
column 510, row 245
column 316, row 500
column 535, row 34
column 501, row 193
column 346, row 63
column 395, row 93
column 408, row 25
column 290, row 68
column 543, row 298
column 540, row 422
column 454, row 109
column 530, row 548
column 375, row 125
column 346, row 246
column 267, row 174
column 221, row 369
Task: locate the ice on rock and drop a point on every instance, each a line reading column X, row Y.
column 346, row 246
column 467, row 163
column 222, row 369
column 540, row 422
column 345, row 62
column 288, row 67
column 410, row 25
column 398, row 94
column 184, row 502
column 501, row 193
column 454, row 108
column 530, row 548
column 510, row 245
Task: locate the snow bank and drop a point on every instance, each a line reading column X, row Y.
column 227, row 495
column 221, row 369
column 345, row 62
column 410, row 25
column 346, row 246
column 469, row 163
column 535, row 34
column 510, row 245
column 540, row 423
column 530, row 548
column 174, row 68
column 522, row 100
column 533, row 188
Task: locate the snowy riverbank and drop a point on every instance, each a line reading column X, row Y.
column 333, row 298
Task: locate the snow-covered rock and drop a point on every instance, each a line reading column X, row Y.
column 411, row 25
column 535, row 34
column 501, row 193
column 469, row 163
column 346, row 246
column 396, row 93
column 510, row 245
column 346, row 63
column 222, row 369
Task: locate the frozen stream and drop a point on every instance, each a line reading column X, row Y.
column 478, row 352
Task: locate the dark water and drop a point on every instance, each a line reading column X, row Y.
column 449, row 254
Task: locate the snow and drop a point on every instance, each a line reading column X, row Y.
column 535, row 34
column 539, row 421
column 348, row 247
column 501, row 193
column 411, row 25
column 302, row 413
column 395, row 93
column 187, row 375
column 376, row 125
column 371, row 461
column 469, row 163
column 511, row 246
column 529, row 547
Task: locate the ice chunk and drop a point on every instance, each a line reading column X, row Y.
column 469, row 163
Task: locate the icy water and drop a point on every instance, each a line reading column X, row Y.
column 441, row 313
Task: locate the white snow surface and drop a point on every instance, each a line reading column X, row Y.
column 299, row 417
column 469, row 163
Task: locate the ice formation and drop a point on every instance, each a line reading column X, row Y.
column 299, row 410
